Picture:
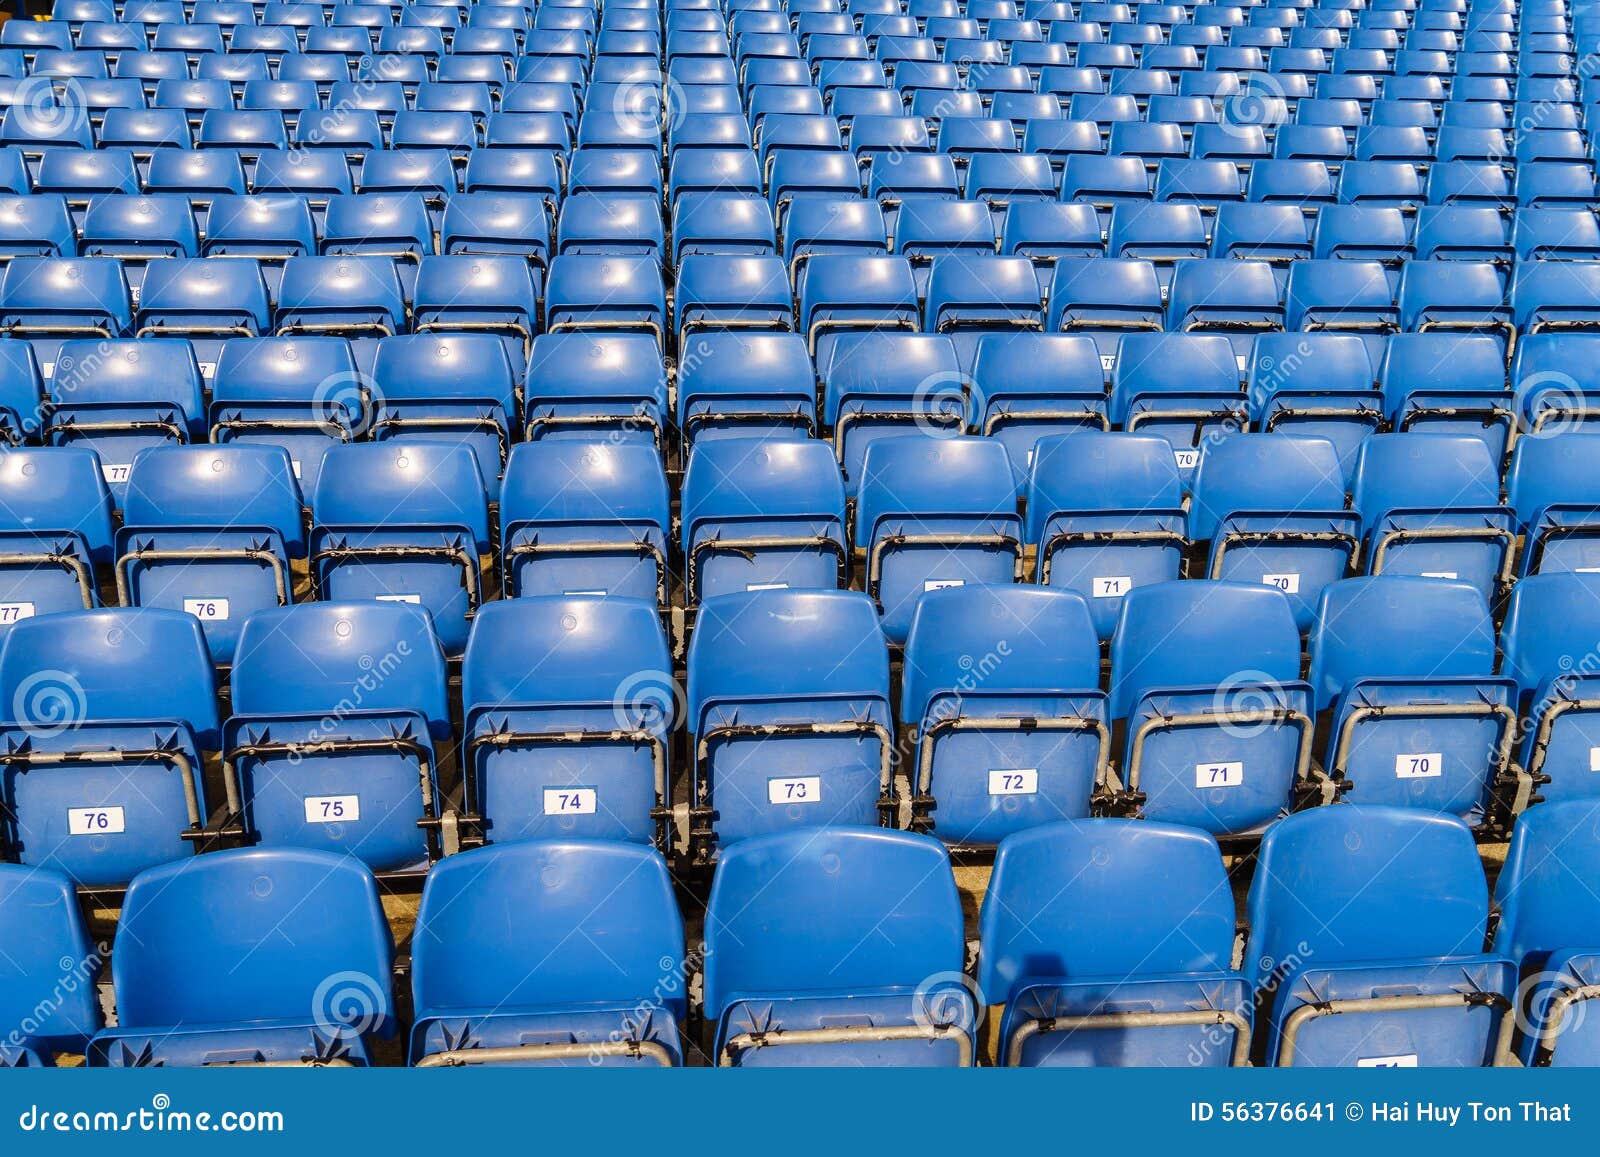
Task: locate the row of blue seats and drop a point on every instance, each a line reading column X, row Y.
column 1105, row 943
column 450, row 14
column 303, row 392
column 492, row 28
column 49, row 300
column 1281, row 11
column 175, row 113
column 1097, row 504
column 98, row 82
column 340, row 718
column 719, row 55
column 409, row 226
column 871, row 125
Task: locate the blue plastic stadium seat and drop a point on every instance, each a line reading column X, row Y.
column 1455, row 297
column 1364, row 232
column 1462, row 233
column 303, row 394
column 1430, row 506
column 762, row 514
column 1365, row 931
column 1044, row 231
column 1544, row 644
column 819, row 945
column 195, row 173
column 48, row 300
column 542, row 953
column 1088, row 925
column 729, row 224
column 488, row 294
column 514, row 171
column 1405, row 666
column 1449, row 383
column 357, row 297
column 1029, row 743
column 1236, row 298
column 1271, row 508
column 300, row 975
column 1105, row 298
column 499, row 222
column 204, row 301
column 1555, row 296
column 926, row 229
column 1317, row 384
column 618, row 225
column 575, row 745
column 36, row 225
column 585, row 518
column 1184, row 387
column 888, row 385
column 49, row 965
column 1205, row 677
column 1553, row 383
column 116, row 397
column 135, row 682
column 456, row 388
column 1549, row 487
column 596, row 385
column 1105, row 514
column 403, row 522
column 1547, row 917
column 251, row 131
column 315, row 768
column 21, row 393
column 269, row 227
column 1274, row 233
column 55, row 531
column 392, row 225
column 719, row 292
column 971, row 295
column 1164, row 234
column 1556, row 234
column 745, row 385
column 932, row 513
column 1026, row 386
column 594, row 292
column 211, row 531
column 1344, row 296
column 844, row 293
column 788, row 713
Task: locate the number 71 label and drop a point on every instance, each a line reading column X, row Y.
column 1219, row 774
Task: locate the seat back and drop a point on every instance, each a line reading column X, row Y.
column 254, row 934
column 1104, row 899
column 304, row 660
column 1196, row 635
column 810, row 912
column 1354, row 884
column 47, row 947
column 599, row 928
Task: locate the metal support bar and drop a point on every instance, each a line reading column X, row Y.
column 1114, row 1021
column 1442, row 1000
column 849, row 1034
